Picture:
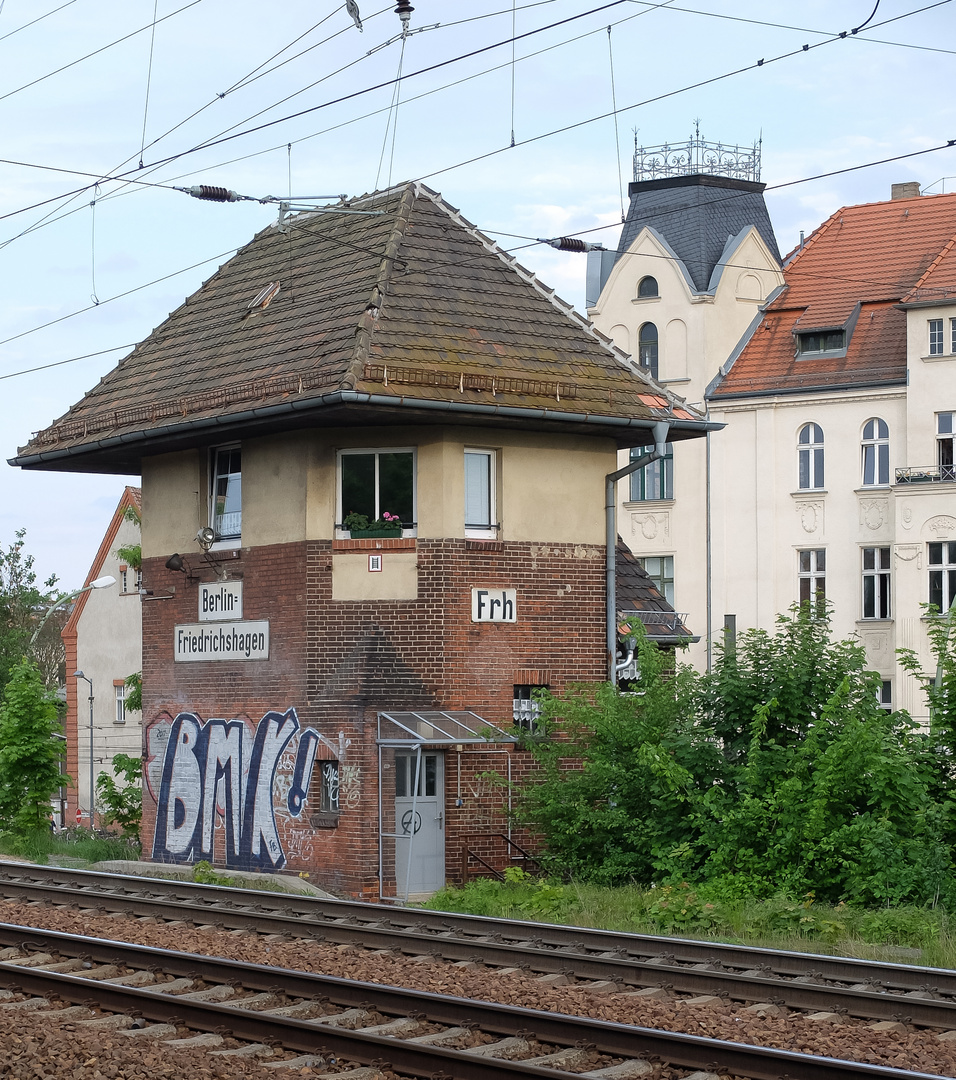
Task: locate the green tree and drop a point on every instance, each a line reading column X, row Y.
column 619, row 775
column 132, row 554
column 22, row 604
column 30, row 752
column 122, row 803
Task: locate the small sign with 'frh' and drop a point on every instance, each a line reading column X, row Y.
column 494, row 605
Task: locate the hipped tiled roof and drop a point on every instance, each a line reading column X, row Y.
column 874, row 255
column 398, row 314
column 636, row 594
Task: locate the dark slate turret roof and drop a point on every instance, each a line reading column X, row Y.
column 637, row 595
column 390, row 309
column 696, row 215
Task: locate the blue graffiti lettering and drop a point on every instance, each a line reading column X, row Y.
column 205, row 773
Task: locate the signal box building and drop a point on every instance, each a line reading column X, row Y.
column 320, row 696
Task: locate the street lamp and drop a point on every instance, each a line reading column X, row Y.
column 80, row 675
column 100, row 583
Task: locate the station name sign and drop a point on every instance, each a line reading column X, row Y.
column 220, row 600
column 494, row 605
column 222, row 641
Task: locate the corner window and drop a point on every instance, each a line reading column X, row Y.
column 876, row 453
column 660, row 569
column 647, row 348
column 935, row 337
column 812, row 576
column 375, row 482
column 119, row 693
column 876, row 583
column 227, row 493
column 647, row 287
column 654, row 481
column 942, row 575
column 945, row 448
column 810, row 457
column 480, row 511
column 527, row 708
column 821, row 341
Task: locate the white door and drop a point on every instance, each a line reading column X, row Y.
column 419, row 822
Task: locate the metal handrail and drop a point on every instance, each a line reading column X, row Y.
column 926, row 474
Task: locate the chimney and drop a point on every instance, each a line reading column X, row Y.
column 909, row 190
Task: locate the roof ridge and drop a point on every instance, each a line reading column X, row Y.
column 368, row 320
column 943, row 252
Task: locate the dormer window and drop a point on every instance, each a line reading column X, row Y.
column 820, row 342
column 647, row 287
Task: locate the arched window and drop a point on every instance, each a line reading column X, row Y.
column 876, row 452
column 647, row 287
column 647, row 348
column 810, row 456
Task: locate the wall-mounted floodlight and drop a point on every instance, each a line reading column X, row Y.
column 206, row 537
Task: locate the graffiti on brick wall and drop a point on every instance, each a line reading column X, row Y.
column 219, row 784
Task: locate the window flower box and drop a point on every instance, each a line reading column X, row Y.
column 375, row 534
column 361, row 528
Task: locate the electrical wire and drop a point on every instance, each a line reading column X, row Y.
column 149, row 79
column 96, row 52
column 71, row 360
column 33, row 22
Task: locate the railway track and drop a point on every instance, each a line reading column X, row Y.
column 357, row 1029
column 924, row 997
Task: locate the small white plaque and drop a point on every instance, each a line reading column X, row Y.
column 494, row 605
column 221, row 641
column 375, row 564
column 220, row 601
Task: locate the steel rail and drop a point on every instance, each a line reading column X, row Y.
column 619, row 1040
column 636, row 960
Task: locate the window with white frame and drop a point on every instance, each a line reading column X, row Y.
column 810, row 457
column 227, row 492
column 375, row 482
column 660, row 569
column 647, row 348
column 884, row 695
column 876, row 452
column 480, row 509
column 876, row 583
column 935, row 337
column 942, row 575
column 952, row 335
column 812, row 576
column 119, row 693
column 654, row 481
column 526, row 706
column 946, row 445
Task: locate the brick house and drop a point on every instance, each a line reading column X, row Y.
column 322, row 701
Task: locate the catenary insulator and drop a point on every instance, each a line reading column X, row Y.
column 571, row 243
column 211, row 193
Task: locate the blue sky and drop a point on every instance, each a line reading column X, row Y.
column 91, row 88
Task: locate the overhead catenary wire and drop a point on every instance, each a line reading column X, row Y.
column 149, row 77
column 33, row 22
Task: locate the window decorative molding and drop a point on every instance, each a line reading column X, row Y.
column 875, row 453
column 876, row 582
column 375, row 481
column 810, row 457
column 226, row 493
column 874, row 513
column 652, row 526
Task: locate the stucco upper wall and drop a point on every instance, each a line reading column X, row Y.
column 931, row 381
column 548, row 488
column 174, row 502
column 696, row 331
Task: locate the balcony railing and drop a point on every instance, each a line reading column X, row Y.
column 927, row 474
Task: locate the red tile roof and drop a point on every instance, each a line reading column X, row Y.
column 402, row 313
column 874, row 255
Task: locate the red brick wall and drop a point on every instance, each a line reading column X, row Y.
column 338, row 663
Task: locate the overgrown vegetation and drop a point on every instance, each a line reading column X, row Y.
column 122, row 803
column 77, row 845
column 907, row 934
column 776, row 774
column 22, row 604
